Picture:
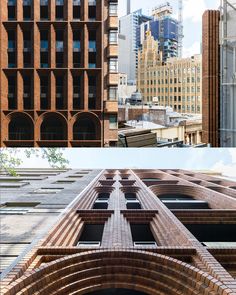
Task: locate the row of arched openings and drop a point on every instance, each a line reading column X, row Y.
column 54, row 127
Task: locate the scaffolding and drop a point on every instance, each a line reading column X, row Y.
column 228, row 73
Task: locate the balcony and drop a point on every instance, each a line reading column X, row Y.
column 111, row 106
column 113, row 22
column 113, row 79
column 113, row 51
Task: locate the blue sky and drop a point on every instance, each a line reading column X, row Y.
column 222, row 160
column 193, row 10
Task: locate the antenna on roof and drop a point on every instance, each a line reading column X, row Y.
column 128, row 7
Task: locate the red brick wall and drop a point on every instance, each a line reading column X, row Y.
column 211, row 77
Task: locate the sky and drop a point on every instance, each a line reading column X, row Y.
column 219, row 160
column 193, row 11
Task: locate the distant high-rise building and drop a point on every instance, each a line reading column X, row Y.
column 129, row 43
column 219, row 75
column 175, row 82
column 118, row 232
column 164, row 29
column 58, row 73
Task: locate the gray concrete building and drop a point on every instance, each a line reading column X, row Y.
column 31, row 203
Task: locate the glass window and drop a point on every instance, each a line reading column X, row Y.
column 113, row 9
column 27, row 2
column 11, row 2
column 113, row 65
column 113, row 37
column 113, row 93
column 113, row 122
column 44, row 44
column 11, row 44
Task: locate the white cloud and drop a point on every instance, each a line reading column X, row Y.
column 233, row 155
column 194, row 10
column 193, row 49
column 226, row 170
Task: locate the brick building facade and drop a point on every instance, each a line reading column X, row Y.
column 135, row 232
column 58, row 73
column 211, row 77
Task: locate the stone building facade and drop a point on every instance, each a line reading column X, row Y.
column 58, row 73
column 135, row 232
column 175, row 83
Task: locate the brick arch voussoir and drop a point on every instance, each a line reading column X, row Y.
column 177, row 189
column 152, row 273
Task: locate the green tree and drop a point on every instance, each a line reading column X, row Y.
column 10, row 158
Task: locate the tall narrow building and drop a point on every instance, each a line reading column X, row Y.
column 124, row 232
column 58, row 73
column 129, row 43
column 211, row 77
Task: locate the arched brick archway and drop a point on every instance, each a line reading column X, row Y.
column 86, row 126
column 214, row 198
column 53, row 127
column 194, row 192
column 20, row 126
column 92, row 271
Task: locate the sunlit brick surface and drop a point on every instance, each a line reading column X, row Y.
column 54, row 73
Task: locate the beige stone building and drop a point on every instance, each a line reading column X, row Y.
column 176, row 83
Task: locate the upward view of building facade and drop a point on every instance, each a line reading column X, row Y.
column 58, row 73
column 129, row 232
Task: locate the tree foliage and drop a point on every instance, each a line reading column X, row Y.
column 10, row 158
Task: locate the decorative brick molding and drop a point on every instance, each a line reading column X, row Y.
column 178, row 264
column 151, row 273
